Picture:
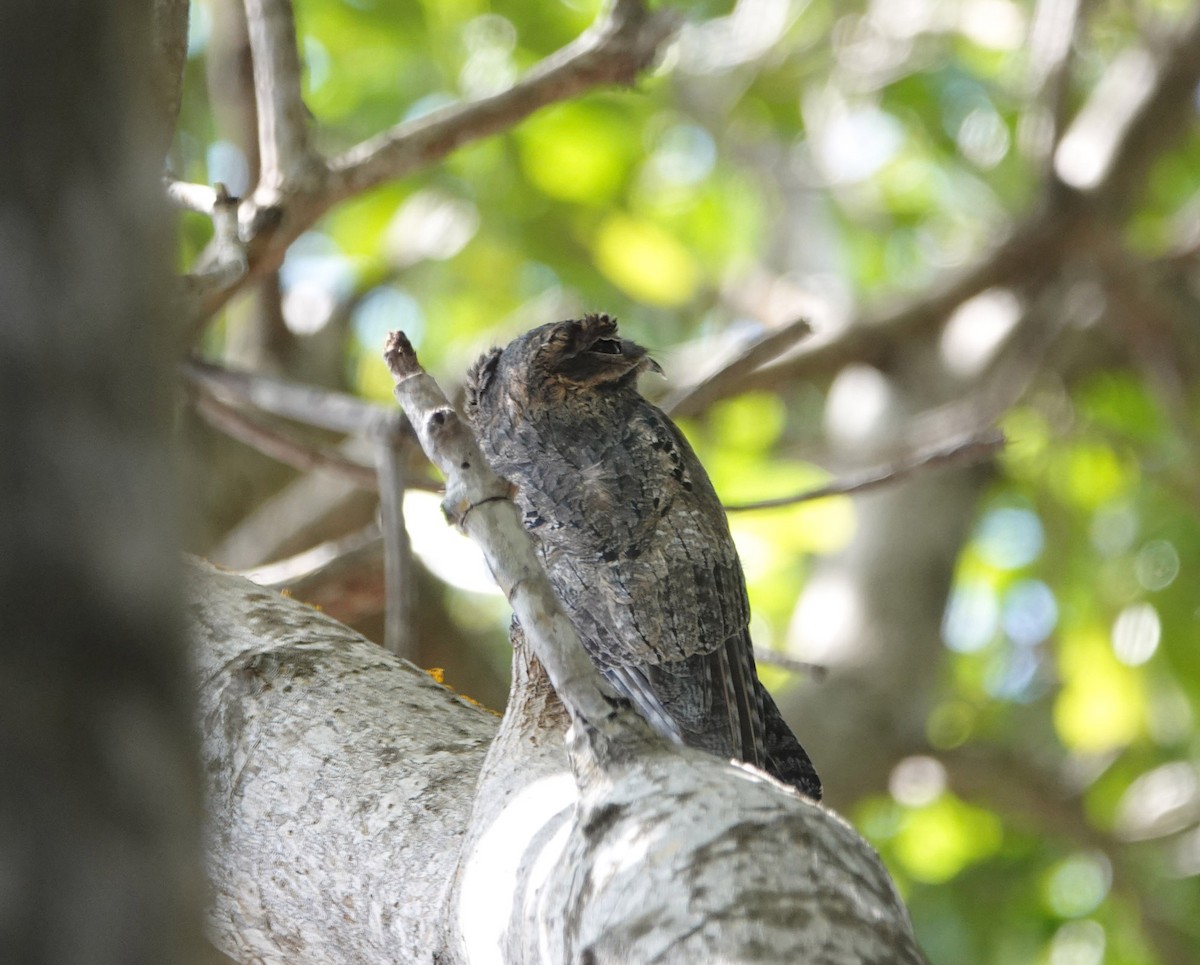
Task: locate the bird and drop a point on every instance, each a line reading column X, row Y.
column 632, row 536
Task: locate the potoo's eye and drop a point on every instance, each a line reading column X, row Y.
column 606, row 346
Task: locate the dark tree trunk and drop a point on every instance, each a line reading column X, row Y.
column 99, row 793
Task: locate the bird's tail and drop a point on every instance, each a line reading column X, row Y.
column 786, row 759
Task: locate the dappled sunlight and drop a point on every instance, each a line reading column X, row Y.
column 826, row 626
column 451, row 556
column 857, row 405
column 977, row 329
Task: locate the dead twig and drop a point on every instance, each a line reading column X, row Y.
column 695, row 398
column 772, row 658
column 958, row 453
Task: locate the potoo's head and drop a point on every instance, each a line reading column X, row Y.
column 554, row 363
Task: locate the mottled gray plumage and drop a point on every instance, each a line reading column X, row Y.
column 632, row 536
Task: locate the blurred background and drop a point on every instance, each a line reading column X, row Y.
column 989, row 212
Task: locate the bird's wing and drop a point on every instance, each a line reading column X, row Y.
column 708, row 700
column 640, row 551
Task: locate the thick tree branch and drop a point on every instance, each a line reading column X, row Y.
column 100, row 788
column 340, row 781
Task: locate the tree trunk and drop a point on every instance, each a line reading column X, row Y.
column 100, row 795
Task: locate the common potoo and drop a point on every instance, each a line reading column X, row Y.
column 632, row 536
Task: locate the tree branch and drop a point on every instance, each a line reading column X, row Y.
column 335, row 411
column 379, row 762
column 622, row 43
column 284, row 156
column 199, row 198
column 693, row 399
column 225, row 262
column 170, row 18
column 614, row 51
column 781, row 660
column 399, row 579
column 956, row 453
column 280, row 444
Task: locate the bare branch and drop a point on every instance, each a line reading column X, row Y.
column 400, row 613
column 279, row 443
column 285, row 157
column 958, row 453
column 335, row 411
column 614, row 51
column 170, row 19
column 693, row 399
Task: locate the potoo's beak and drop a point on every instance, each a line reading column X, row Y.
column 638, row 358
column 648, row 364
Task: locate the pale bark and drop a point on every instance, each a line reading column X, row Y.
column 340, row 786
column 340, row 782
